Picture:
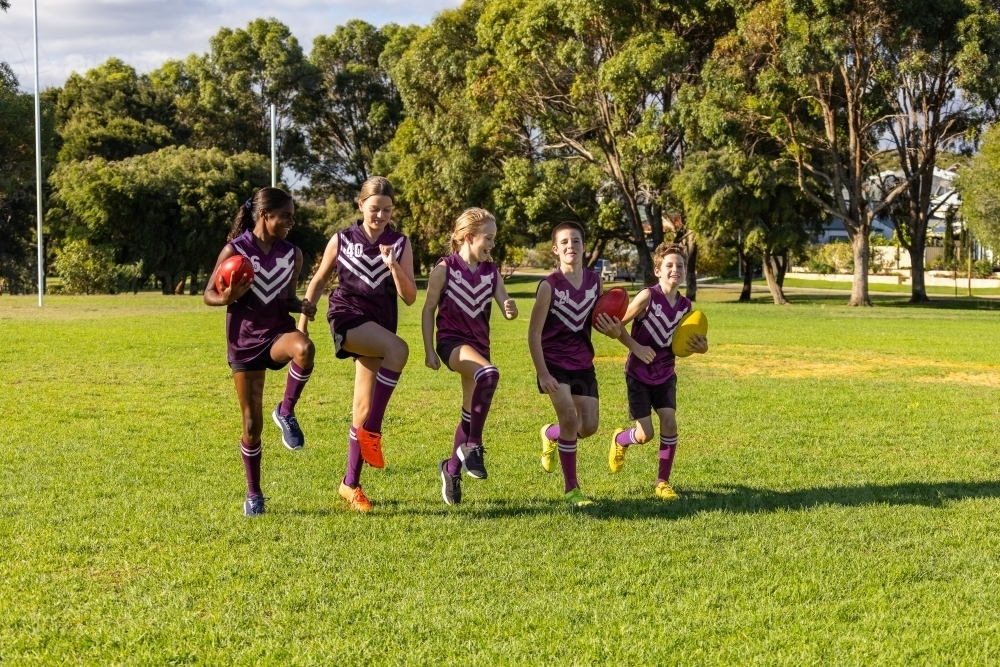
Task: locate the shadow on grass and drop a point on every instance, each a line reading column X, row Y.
column 749, row 500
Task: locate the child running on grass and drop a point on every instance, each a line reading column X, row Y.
column 649, row 369
column 374, row 266
column 559, row 342
column 260, row 332
column 461, row 288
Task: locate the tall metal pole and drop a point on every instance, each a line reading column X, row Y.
column 274, row 153
column 38, row 169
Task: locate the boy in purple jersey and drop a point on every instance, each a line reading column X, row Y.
column 461, row 289
column 649, row 369
column 559, row 341
column 260, row 332
column 374, row 267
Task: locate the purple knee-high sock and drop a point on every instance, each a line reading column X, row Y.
column 454, row 464
column 668, row 447
column 252, row 455
column 552, row 432
column 487, row 379
column 385, row 382
column 354, row 460
column 296, row 382
column 626, row 438
column 567, row 458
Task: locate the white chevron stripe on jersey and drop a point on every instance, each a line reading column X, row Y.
column 563, row 299
column 471, row 298
column 474, row 311
column 281, row 278
column 661, row 328
column 372, row 278
column 456, row 278
column 572, row 313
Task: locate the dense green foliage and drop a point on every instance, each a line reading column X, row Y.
column 171, row 209
column 736, row 129
column 840, row 502
column 980, row 187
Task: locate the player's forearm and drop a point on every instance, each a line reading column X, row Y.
column 537, row 356
column 405, row 285
column 427, row 329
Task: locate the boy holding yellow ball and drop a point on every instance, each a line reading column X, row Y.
column 657, row 313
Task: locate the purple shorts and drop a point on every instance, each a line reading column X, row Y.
column 446, row 347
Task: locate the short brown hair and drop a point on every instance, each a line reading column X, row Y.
column 665, row 249
column 375, row 186
column 569, row 225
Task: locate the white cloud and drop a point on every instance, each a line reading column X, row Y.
column 76, row 35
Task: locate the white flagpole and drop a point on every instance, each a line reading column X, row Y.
column 274, row 154
column 38, row 168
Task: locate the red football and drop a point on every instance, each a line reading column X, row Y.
column 237, row 264
column 612, row 303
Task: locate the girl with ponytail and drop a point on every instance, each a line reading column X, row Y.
column 260, row 333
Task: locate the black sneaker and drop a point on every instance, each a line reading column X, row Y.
column 451, row 485
column 253, row 505
column 472, row 460
column 291, row 434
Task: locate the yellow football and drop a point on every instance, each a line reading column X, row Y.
column 693, row 323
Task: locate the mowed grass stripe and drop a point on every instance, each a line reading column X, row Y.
column 838, row 471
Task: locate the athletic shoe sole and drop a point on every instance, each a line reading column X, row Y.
column 444, row 483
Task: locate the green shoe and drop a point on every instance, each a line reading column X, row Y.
column 575, row 498
column 548, row 451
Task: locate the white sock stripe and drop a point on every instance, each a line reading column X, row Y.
column 569, row 449
column 251, row 452
column 486, row 370
column 385, row 381
column 633, row 436
column 352, row 431
column 299, row 376
column 466, row 416
column 669, row 442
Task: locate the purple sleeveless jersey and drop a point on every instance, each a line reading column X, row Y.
column 466, row 301
column 258, row 317
column 566, row 332
column 656, row 329
column 365, row 290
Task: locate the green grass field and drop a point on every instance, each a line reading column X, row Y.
column 838, row 469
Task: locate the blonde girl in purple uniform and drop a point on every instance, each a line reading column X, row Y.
column 461, row 289
column 649, row 369
column 374, row 267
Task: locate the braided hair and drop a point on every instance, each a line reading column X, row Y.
column 265, row 199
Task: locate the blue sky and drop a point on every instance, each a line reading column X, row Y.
column 75, row 35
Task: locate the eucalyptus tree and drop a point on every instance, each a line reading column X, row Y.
column 354, row 109
column 945, row 54
column 595, row 81
column 223, row 97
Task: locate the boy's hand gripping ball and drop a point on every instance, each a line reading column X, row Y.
column 693, row 324
column 612, row 303
column 238, row 265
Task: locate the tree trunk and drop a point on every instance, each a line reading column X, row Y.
column 692, row 272
column 770, row 274
column 639, row 238
column 859, row 286
column 918, row 291
column 166, row 281
column 782, row 268
column 596, row 253
column 194, row 285
column 747, row 262
column 655, row 215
